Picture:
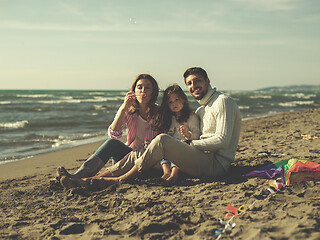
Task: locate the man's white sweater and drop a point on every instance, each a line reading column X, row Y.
column 220, row 124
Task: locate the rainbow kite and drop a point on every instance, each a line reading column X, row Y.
column 290, row 171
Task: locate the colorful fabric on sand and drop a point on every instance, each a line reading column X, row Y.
column 282, row 173
column 290, row 171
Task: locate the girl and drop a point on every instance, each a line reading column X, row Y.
column 176, row 118
column 136, row 112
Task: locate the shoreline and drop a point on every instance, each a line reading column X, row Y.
column 92, row 141
column 60, row 148
column 34, row 165
column 54, row 155
column 32, row 208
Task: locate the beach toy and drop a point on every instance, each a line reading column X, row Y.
column 286, row 172
column 218, row 232
column 228, row 226
column 243, row 208
column 289, row 170
column 274, row 183
column 233, row 211
column 266, row 193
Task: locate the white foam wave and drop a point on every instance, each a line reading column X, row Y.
column 60, row 101
column 93, row 100
column 244, row 107
column 296, row 103
column 300, row 95
column 96, row 93
column 18, row 124
column 67, row 140
column 5, row 102
column 260, row 96
column 59, row 142
column 66, row 97
column 34, row 95
column 99, row 107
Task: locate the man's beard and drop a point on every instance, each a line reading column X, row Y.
column 200, row 96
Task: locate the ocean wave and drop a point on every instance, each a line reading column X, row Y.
column 66, row 97
column 89, row 100
column 99, row 107
column 296, row 103
column 5, row 102
column 66, row 140
column 18, row 124
column 300, row 95
column 97, row 93
column 59, row 142
column 59, row 101
column 244, row 107
column 34, row 95
column 261, row 96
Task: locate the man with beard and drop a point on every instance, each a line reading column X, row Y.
column 210, row 156
column 220, row 123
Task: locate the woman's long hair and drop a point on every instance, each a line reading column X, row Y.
column 151, row 104
column 163, row 118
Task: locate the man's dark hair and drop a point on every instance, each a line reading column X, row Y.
column 195, row 70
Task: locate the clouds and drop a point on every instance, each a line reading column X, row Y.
column 81, row 39
column 71, row 9
column 269, row 5
column 225, row 17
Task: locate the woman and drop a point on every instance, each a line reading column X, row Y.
column 136, row 113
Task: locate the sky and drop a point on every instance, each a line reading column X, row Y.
column 105, row 44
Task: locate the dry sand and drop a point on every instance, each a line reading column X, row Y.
column 32, row 208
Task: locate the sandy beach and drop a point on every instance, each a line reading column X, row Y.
column 34, row 208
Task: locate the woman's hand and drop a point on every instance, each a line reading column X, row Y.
column 184, row 131
column 129, row 100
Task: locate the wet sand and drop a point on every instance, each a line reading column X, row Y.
column 32, row 208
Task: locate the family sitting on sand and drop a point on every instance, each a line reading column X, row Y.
column 200, row 144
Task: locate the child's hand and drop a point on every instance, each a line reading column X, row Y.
column 184, row 131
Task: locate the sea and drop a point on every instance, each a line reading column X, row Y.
column 34, row 122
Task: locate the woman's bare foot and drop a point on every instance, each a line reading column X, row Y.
column 68, row 180
column 61, row 171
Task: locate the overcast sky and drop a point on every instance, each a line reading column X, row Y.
column 78, row 44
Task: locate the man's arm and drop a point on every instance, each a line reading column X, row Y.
column 224, row 114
